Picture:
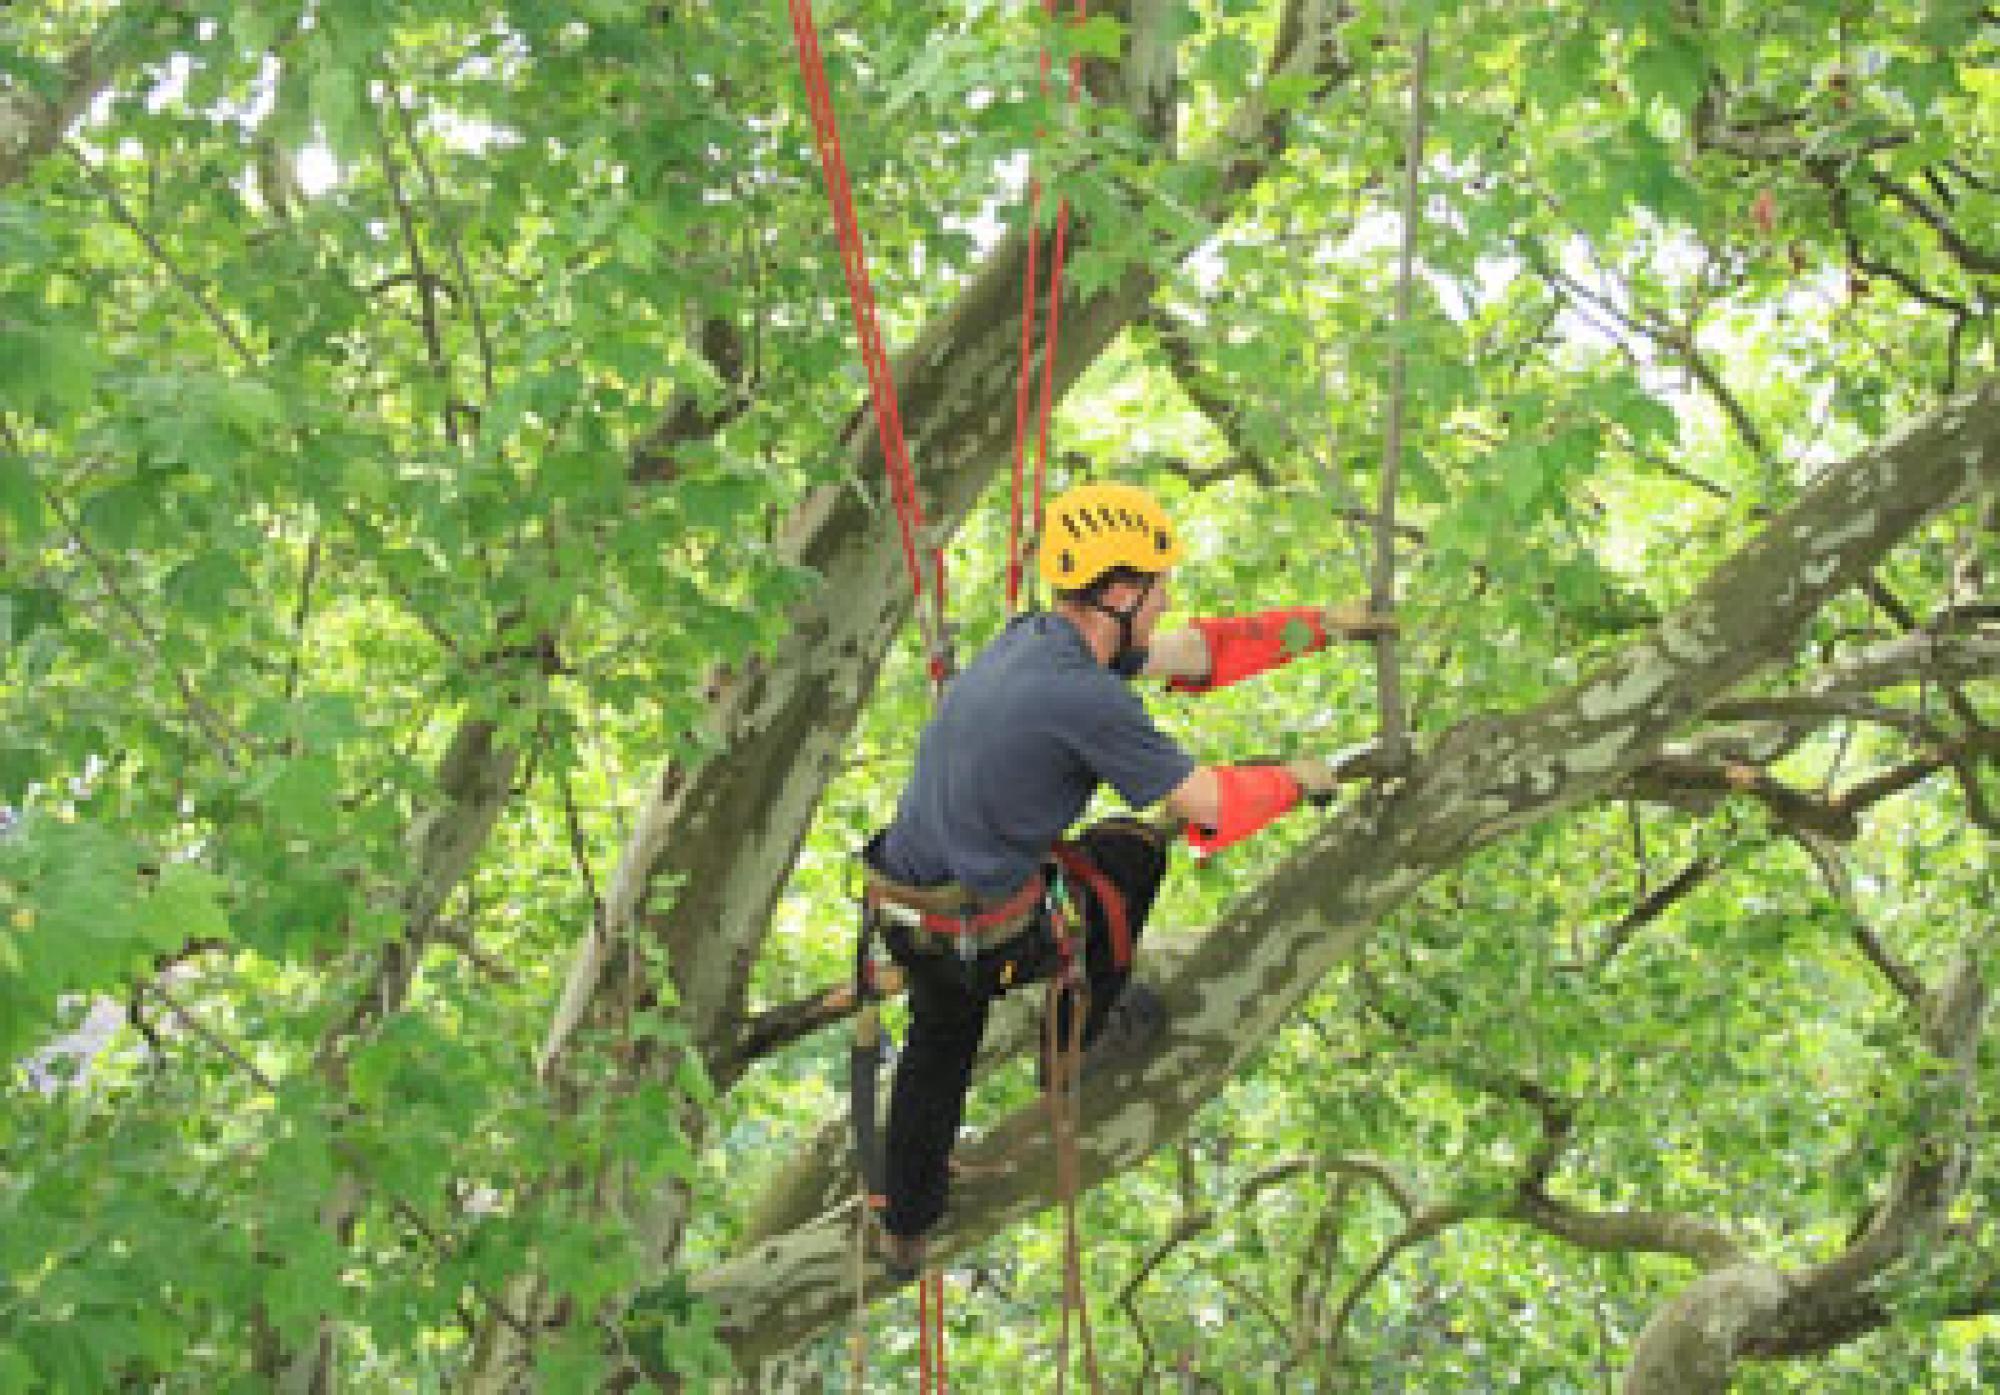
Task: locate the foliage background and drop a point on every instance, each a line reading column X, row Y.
column 401, row 412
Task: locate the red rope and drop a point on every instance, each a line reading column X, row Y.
column 937, row 1345
column 1015, row 546
column 1022, row 380
column 930, row 1333
column 924, row 1333
column 861, row 297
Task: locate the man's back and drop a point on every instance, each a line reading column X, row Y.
column 1022, row 739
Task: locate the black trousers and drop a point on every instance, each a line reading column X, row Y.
column 951, row 997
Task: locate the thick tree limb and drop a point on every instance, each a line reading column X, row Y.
column 1692, row 1238
column 1695, row 775
column 1750, row 1309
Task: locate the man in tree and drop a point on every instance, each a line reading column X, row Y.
column 1022, row 739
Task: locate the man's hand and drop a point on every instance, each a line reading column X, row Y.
column 1317, row 780
column 1353, row 620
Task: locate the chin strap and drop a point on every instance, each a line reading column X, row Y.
column 1244, row 645
column 1252, row 796
column 1122, row 663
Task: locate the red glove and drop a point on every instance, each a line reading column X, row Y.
column 1252, row 796
column 1242, row 645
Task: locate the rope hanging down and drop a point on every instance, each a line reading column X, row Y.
column 881, row 381
column 930, row 1333
column 1018, row 545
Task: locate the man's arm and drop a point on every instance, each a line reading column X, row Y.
column 1215, row 653
column 1222, row 804
column 1197, row 799
column 1178, row 654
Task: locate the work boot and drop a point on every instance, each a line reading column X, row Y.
column 1136, row 1020
column 904, row 1256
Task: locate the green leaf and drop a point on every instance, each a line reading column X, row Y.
column 206, row 586
column 186, row 906
column 118, row 516
column 1100, row 36
column 20, row 498
column 1290, row 90
column 23, row 242
column 1672, row 69
column 304, row 793
column 46, row 366
column 24, row 610
column 337, row 103
column 1228, row 61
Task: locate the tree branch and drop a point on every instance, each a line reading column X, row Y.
column 427, row 298
column 1975, row 260
column 1748, row 1309
column 180, row 277
column 468, row 289
column 32, row 126
column 1832, row 866
column 1657, row 903
column 231, row 745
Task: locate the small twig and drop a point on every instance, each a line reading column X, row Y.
column 189, row 286
column 215, row 1041
column 1640, row 860
column 308, row 574
column 230, row 742
column 460, row 938
column 1673, row 469
column 1833, row 871
column 426, row 283
column 467, row 289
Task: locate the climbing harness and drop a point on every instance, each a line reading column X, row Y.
column 948, row 922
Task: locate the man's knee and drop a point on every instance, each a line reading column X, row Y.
column 1133, row 855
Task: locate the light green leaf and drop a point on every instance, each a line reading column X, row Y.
column 1100, row 36
column 46, row 366
column 206, row 586
column 185, row 906
column 20, row 498
column 304, row 793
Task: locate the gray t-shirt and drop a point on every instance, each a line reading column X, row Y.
column 1023, row 738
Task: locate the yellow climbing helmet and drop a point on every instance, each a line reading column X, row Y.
column 1092, row 528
